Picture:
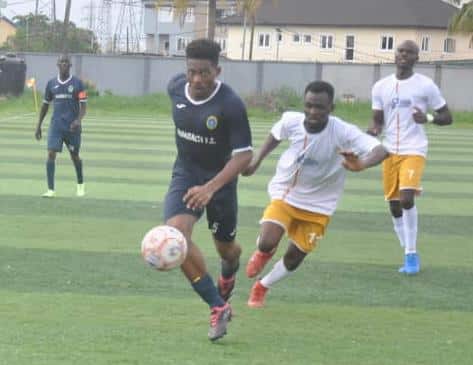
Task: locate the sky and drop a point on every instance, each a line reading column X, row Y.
column 79, row 9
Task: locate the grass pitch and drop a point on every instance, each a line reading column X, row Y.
column 74, row 289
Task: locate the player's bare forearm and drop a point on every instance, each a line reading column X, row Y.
column 377, row 124
column 353, row 163
column 232, row 169
column 375, row 157
column 269, row 144
column 76, row 124
column 42, row 113
column 82, row 110
column 199, row 196
column 443, row 116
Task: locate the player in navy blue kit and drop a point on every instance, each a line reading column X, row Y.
column 213, row 142
column 69, row 97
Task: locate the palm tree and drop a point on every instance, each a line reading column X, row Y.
column 462, row 22
column 250, row 8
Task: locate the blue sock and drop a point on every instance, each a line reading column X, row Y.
column 207, row 290
column 50, row 167
column 78, row 167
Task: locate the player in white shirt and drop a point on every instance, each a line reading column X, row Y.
column 400, row 105
column 309, row 180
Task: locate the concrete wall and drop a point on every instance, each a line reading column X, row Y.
column 140, row 75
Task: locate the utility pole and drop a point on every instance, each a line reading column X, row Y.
column 66, row 26
column 53, row 11
column 252, row 36
column 278, row 40
column 245, row 18
column 212, row 14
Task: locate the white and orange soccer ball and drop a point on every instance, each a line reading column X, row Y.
column 164, row 248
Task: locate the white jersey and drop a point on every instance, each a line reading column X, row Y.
column 309, row 174
column 397, row 99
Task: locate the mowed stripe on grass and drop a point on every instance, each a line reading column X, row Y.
column 77, row 291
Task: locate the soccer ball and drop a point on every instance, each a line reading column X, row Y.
column 164, row 248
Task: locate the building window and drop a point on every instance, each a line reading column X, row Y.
column 263, row 40
column 449, row 45
column 326, row 41
column 223, row 43
column 296, row 38
column 387, row 42
column 182, row 43
column 307, row 38
column 165, row 14
column 190, row 17
column 349, row 48
column 425, row 44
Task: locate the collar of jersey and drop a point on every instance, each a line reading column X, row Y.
column 199, row 102
column 64, row 82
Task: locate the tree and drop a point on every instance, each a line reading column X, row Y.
column 250, row 8
column 462, row 21
column 37, row 34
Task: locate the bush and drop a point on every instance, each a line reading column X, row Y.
column 276, row 101
column 91, row 88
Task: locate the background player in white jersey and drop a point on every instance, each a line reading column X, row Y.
column 309, row 180
column 213, row 140
column 400, row 105
column 68, row 95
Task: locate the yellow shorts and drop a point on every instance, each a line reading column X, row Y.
column 303, row 228
column 402, row 172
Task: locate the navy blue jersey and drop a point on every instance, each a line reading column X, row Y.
column 65, row 96
column 208, row 131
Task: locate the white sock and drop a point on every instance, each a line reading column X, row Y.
column 399, row 229
column 409, row 217
column 277, row 273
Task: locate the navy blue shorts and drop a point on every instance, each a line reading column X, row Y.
column 56, row 138
column 222, row 209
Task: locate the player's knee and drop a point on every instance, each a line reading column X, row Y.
column 51, row 155
column 292, row 262
column 407, row 203
column 229, row 251
column 395, row 208
column 266, row 243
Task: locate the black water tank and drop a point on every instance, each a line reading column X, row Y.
column 12, row 74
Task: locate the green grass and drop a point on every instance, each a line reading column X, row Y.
column 74, row 289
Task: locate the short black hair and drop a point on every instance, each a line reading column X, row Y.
column 203, row 49
column 321, row 87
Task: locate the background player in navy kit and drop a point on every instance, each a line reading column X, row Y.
column 69, row 98
column 213, row 142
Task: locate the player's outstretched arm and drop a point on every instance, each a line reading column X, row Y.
column 42, row 114
column 270, row 144
column 353, row 163
column 377, row 124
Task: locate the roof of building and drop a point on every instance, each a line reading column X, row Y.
column 353, row 13
column 6, row 20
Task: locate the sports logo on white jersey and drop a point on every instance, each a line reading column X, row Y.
column 180, row 106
